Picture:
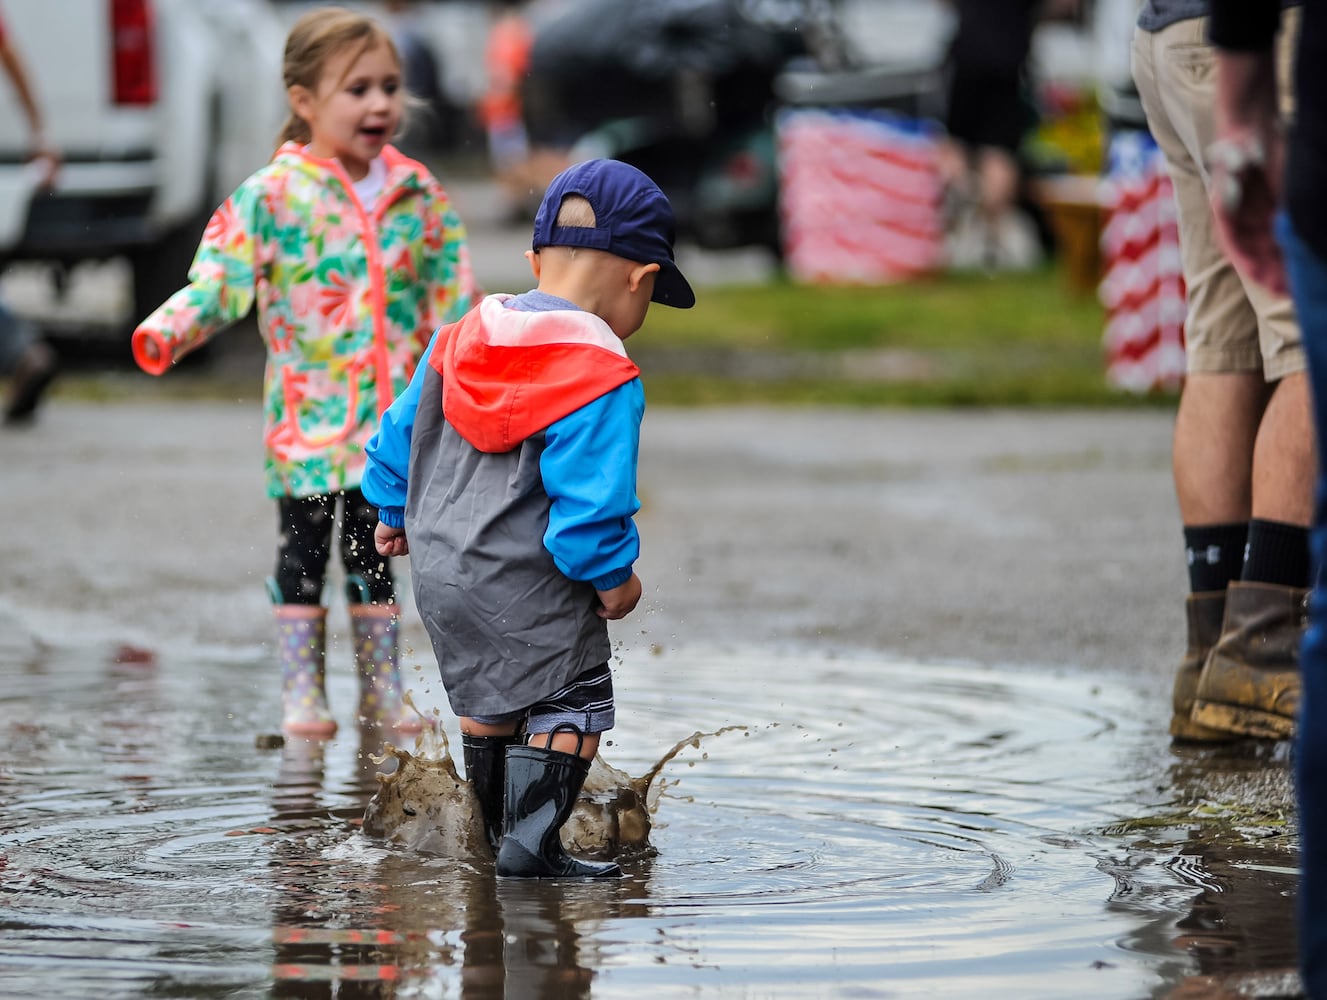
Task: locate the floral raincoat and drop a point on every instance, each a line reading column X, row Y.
column 348, row 298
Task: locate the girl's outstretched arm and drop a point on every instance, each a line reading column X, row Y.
column 220, row 289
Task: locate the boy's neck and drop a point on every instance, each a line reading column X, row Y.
column 581, row 294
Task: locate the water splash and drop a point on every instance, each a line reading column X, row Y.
column 425, row 805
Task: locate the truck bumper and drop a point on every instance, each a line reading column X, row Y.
column 96, row 210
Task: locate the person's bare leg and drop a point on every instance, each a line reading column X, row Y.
column 1216, row 427
column 1284, row 455
column 998, row 178
column 1249, row 685
column 952, row 164
column 472, row 727
column 566, row 742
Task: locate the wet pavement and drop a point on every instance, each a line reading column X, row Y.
column 944, row 638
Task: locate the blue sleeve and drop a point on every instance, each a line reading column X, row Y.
column 589, row 473
column 386, row 473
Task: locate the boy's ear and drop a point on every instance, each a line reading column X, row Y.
column 637, row 274
column 533, row 257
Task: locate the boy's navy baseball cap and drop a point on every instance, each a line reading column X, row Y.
column 633, row 220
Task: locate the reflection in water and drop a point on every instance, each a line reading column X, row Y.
column 1226, row 836
column 937, row 831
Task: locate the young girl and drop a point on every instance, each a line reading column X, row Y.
column 354, row 257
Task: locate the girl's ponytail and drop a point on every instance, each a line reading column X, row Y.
column 295, row 129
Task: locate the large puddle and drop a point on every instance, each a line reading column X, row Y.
column 874, row 829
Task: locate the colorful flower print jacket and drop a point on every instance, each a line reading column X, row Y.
column 348, row 298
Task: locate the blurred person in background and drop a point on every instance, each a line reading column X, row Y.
column 989, row 112
column 1243, row 452
column 422, row 76
column 28, row 360
column 1271, row 214
column 507, row 64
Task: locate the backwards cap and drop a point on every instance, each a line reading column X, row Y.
column 633, row 220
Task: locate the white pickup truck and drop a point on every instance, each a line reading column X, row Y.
column 159, row 109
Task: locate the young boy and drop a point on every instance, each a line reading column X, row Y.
column 509, row 465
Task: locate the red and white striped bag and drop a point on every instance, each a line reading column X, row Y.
column 860, row 196
column 1143, row 285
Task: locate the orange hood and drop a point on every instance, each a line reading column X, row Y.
column 507, row 374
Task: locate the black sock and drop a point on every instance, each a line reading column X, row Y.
column 1277, row 553
column 1215, row 553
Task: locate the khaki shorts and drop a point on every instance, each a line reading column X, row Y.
column 1233, row 325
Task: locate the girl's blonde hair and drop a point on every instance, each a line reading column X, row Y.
column 317, row 38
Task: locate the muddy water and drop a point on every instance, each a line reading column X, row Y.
column 876, row 829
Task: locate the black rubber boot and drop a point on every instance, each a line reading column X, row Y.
column 542, row 786
column 485, row 765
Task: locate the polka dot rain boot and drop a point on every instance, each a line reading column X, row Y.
column 302, row 645
column 377, row 659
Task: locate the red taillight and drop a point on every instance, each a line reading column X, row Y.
column 135, row 76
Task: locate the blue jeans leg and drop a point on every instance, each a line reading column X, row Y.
column 1308, row 280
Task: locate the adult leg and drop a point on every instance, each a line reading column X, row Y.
column 1216, row 428
column 1224, row 393
column 1308, row 277
column 1211, row 461
column 1250, row 684
column 1285, row 456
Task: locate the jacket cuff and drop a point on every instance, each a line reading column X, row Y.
column 149, row 364
column 393, row 517
column 610, row 580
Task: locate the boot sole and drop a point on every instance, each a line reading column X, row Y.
column 320, row 729
column 1242, row 721
column 515, row 862
column 1185, row 730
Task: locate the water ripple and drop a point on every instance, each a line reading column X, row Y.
column 872, row 828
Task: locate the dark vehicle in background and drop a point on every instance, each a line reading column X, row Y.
column 682, row 89
column 689, row 90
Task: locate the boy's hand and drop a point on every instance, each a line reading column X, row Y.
column 390, row 541
column 621, row 600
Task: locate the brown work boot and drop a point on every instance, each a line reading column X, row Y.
column 1250, row 684
column 1205, row 613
